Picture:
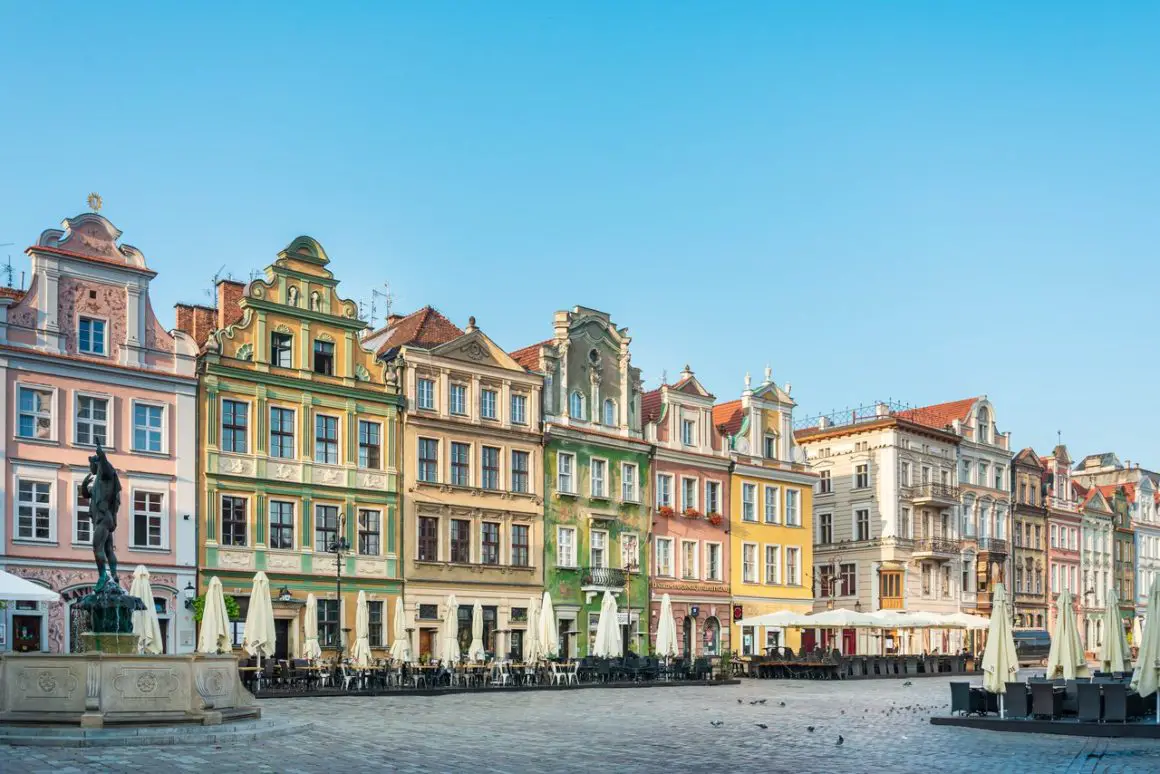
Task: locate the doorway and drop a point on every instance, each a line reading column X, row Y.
column 567, row 631
column 427, row 642
column 281, row 638
column 687, row 637
column 849, row 642
column 163, row 625
column 26, row 633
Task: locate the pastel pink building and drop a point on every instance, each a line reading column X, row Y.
column 84, row 359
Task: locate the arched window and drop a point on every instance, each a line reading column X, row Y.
column 712, row 637
column 610, row 412
column 576, row 405
column 983, row 421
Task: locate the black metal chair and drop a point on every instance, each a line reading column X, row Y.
column 961, row 698
column 1115, row 702
column 1088, row 702
column 1017, row 700
column 1046, row 701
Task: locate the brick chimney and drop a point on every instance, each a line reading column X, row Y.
column 229, row 302
column 197, row 321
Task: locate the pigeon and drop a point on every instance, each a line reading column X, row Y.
column 752, row 703
column 810, row 729
column 716, row 723
column 843, row 712
column 907, row 684
column 761, row 701
column 840, row 739
column 761, row 725
column 739, row 701
column 781, row 704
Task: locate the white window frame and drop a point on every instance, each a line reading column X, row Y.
column 664, row 572
column 571, row 457
column 165, row 426
column 818, row 524
column 796, row 511
column 712, row 485
column 104, row 335
column 592, row 466
column 778, row 566
column 603, row 547
column 578, row 415
column 856, row 474
column 519, row 417
column 709, row 574
column 163, row 518
column 688, row 438
column 431, row 404
column 629, row 485
column 52, row 413
column 747, row 487
column 34, row 478
column 775, row 500
column 451, row 403
column 570, row 560
column 75, row 494
column 270, row 430
column 766, row 440
column 661, row 490
column 685, row 481
column 624, row 555
column 756, row 569
column 382, row 446
column 483, row 393
column 605, row 405
column 825, row 482
column 690, row 573
column 854, row 524
column 796, row 580
column 110, row 423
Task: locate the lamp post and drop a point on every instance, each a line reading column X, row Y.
column 188, row 594
column 339, row 547
column 632, row 566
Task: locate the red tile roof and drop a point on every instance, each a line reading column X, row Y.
column 650, row 405
column 12, row 293
column 728, row 415
column 425, row 328
column 1109, row 491
column 529, row 357
column 940, row 415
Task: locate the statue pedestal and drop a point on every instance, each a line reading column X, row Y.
column 120, row 644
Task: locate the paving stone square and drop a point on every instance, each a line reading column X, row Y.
column 884, row 725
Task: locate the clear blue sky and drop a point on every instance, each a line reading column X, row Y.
column 920, row 200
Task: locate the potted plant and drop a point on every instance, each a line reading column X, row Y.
column 666, row 511
column 692, row 513
column 715, row 519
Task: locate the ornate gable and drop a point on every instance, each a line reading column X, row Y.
column 477, row 349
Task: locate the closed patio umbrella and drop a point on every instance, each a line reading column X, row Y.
column 549, row 634
column 258, row 636
column 1065, row 659
column 401, row 647
column 1000, row 662
column 361, row 653
column 666, row 629
column 449, row 648
column 215, row 624
column 608, row 644
column 1146, row 677
column 145, row 623
column 532, row 650
column 1113, row 653
column 476, row 652
column 1137, row 632
column 310, row 647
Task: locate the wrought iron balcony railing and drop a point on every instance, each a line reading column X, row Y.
column 603, row 577
column 932, row 491
column 993, row 545
column 936, row 545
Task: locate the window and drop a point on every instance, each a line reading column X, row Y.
column 91, row 336
column 749, row 502
column 147, row 427
column 519, row 409
column 328, row 622
column 749, row 563
column 664, row 491
column 599, row 475
column 281, row 350
column 565, row 480
column 825, row 529
column 429, row 539
column 628, row 482
column 326, row 439
column 33, row 510
column 83, row 521
column 489, row 467
column 688, row 493
column 233, row 521
column 460, row 541
column 565, row 546
column 325, row 527
column 235, row 422
column 689, row 559
column 688, row 432
column 281, row 525
column 770, row 447
column 369, row 532
column 92, row 426
column 998, row 477
column 713, row 561
column 369, row 444
column 772, row 515
column 847, row 580
column 460, row 464
column 772, row 566
column 792, row 514
column 487, row 403
column 521, row 546
column 904, row 522
column 609, row 412
column 982, row 480
column 598, row 553
column 862, row 524
column 375, row 624
column 793, row 566
column 712, row 497
column 428, row 460
column 1054, row 537
column 282, row 432
column 904, row 473
column 983, row 418
column 665, row 557
column 825, row 483
column 861, row 476
column 459, row 399
column 34, row 418
column 519, row 471
column 629, row 551
column 425, row 390
column 576, row 405
column 324, row 358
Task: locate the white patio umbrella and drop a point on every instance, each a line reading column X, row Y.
column 1000, row 662
column 608, row 644
column 1137, row 632
column 1113, row 654
column 476, row 651
column 1146, row 677
column 549, row 633
column 532, row 650
column 401, row 647
column 781, row 619
column 449, row 649
column 215, row 624
column 361, row 652
column 843, row 618
column 310, row 647
column 1065, row 659
column 964, row 621
column 258, row 636
column 145, row 623
column 666, row 629
column 13, row 588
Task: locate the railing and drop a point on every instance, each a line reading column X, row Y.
column 936, row 545
column 603, row 577
column 1062, row 505
column 931, row 491
column 993, row 545
column 890, row 603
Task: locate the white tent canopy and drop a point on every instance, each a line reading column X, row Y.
column 13, row 588
column 532, row 650
column 361, row 652
column 1146, row 677
column 780, row 619
column 145, row 623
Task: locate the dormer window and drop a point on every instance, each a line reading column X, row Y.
column 324, row 357
column 688, row 432
column 769, row 450
column 983, row 422
column 609, row 412
column 91, row 336
column 576, row 405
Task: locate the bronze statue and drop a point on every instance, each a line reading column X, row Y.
column 103, row 489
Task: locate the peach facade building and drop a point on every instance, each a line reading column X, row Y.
column 83, row 359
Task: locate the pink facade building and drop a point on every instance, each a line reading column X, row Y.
column 83, row 359
column 691, row 518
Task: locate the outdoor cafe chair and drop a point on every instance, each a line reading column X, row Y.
column 500, row 675
column 1115, row 703
column 1017, row 700
column 1046, row 700
column 961, row 698
column 348, row 676
column 1088, row 702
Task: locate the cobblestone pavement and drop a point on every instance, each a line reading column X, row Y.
column 639, row 730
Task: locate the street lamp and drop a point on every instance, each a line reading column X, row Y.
column 340, row 546
column 632, row 566
column 188, row 593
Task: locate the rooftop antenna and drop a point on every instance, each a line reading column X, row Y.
column 388, row 301
column 7, row 269
column 217, row 277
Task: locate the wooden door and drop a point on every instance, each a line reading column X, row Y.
column 427, row 642
column 281, row 638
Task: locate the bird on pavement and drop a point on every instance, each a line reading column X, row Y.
column 907, row 684
column 840, row 739
column 761, row 701
column 781, row 704
column 739, row 701
column 810, row 729
column 716, row 723
column 761, row 725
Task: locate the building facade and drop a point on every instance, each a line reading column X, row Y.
column 84, row 360
column 1064, row 525
column 597, row 518
column 472, row 477
column 691, row 544
column 771, row 515
column 1029, row 540
column 298, row 451
column 1096, row 547
column 1121, row 500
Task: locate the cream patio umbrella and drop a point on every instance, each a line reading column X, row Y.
column 1066, row 658
column 145, row 623
column 532, row 650
column 215, row 624
column 608, row 644
column 549, row 633
column 401, row 647
column 1146, row 677
column 1113, row 654
column 476, row 651
column 666, row 630
column 782, row 619
column 361, row 652
column 311, row 650
column 1137, row 632
column 449, row 648
column 258, row 636
column 1000, row 662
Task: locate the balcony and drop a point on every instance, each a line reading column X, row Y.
column 994, row 545
column 602, row 579
column 890, row 603
column 935, row 548
column 930, row 493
